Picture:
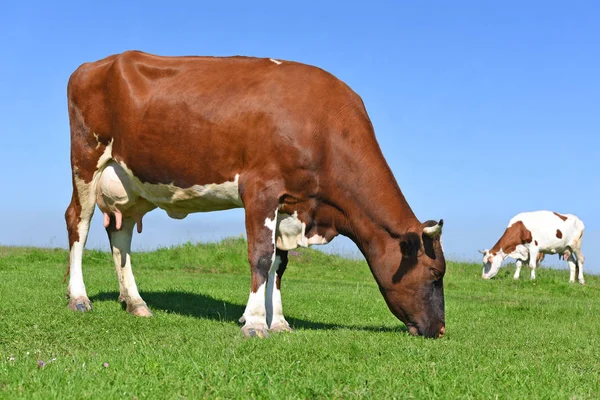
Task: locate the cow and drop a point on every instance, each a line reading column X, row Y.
column 531, row 235
column 288, row 142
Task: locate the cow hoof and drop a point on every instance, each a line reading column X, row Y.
column 139, row 310
column 242, row 319
column 255, row 331
column 281, row 327
column 81, row 304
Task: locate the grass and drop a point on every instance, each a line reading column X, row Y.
column 505, row 338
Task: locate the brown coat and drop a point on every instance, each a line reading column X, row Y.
column 293, row 138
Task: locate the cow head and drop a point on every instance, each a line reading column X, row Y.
column 416, row 293
column 491, row 263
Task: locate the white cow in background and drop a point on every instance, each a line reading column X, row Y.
column 531, row 235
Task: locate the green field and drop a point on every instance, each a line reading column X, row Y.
column 505, row 338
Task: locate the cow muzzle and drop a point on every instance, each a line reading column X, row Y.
column 430, row 333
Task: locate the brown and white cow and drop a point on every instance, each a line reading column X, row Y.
column 531, row 235
column 288, row 142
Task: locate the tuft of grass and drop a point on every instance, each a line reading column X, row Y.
column 505, row 338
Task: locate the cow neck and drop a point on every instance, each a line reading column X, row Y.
column 376, row 214
column 513, row 236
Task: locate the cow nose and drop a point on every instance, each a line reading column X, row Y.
column 442, row 331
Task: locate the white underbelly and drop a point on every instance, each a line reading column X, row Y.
column 121, row 192
column 119, row 188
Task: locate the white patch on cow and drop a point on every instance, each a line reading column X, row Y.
column 275, row 61
column 316, row 239
column 76, row 286
column 521, row 252
column 291, row 233
column 97, row 140
column 272, row 225
column 518, row 269
column 178, row 202
column 105, row 157
column 572, row 267
column 255, row 313
column 491, row 264
column 273, row 306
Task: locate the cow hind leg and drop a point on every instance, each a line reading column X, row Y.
column 533, row 259
column 572, row 268
column 580, row 261
column 274, row 308
column 120, row 242
column 78, row 216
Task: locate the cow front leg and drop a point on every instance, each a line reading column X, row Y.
column 274, row 308
column 518, row 270
column 120, row 242
column 261, row 223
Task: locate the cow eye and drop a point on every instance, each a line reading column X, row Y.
column 435, row 273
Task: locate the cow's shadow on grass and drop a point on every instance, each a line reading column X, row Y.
column 207, row 307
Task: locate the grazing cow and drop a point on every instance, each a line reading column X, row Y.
column 531, row 235
column 288, row 142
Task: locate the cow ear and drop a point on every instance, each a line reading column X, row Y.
column 410, row 243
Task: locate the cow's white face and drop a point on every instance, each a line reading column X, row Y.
column 491, row 264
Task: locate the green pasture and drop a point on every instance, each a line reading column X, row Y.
column 505, row 339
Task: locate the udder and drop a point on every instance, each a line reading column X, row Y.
column 116, row 196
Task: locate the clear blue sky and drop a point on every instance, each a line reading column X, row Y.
column 482, row 109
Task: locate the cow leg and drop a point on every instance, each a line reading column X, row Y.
column 518, row 271
column 533, row 256
column 261, row 223
column 120, row 242
column 274, row 309
column 540, row 258
column 572, row 267
column 78, row 216
column 580, row 260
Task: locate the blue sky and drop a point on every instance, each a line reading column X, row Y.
column 482, row 109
